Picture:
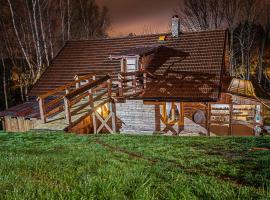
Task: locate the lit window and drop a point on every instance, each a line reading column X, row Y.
column 131, row 64
column 171, row 113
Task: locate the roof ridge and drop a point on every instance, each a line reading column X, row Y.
column 147, row 35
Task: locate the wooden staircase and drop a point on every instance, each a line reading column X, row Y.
column 88, row 104
column 65, row 107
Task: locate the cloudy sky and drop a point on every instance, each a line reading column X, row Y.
column 138, row 16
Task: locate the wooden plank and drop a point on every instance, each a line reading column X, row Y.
column 82, row 106
column 67, row 86
column 77, row 99
column 21, row 124
column 86, row 87
column 7, row 123
column 104, row 122
column 53, row 102
column 54, row 111
column 98, row 97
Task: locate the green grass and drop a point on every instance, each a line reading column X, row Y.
column 66, row 166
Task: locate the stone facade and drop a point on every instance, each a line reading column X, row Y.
column 134, row 116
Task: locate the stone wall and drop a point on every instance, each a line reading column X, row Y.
column 134, row 116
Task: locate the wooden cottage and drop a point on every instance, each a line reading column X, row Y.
column 175, row 83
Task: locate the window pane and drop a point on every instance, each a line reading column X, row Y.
column 131, row 68
column 131, row 61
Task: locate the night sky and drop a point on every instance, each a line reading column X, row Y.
column 132, row 16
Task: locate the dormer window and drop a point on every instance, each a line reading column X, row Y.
column 131, row 64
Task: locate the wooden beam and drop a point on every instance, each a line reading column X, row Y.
column 113, row 110
column 104, row 122
column 86, row 87
column 144, row 80
column 230, row 119
column 207, row 121
column 120, row 86
column 109, row 86
column 42, row 110
column 134, row 83
column 67, row 108
column 67, row 111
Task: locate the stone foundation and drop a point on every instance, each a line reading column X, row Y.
column 134, row 116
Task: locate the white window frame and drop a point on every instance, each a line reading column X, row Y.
column 135, row 64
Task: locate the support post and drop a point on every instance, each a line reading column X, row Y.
column 77, row 84
column 134, row 83
column 230, row 119
column 67, row 109
column 120, row 84
column 144, row 80
column 182, row 117
column 208, row 113
column 92, row 106
column 109, row 86
column 42, row 110
column 113, row 110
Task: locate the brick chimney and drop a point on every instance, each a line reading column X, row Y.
column 175, row 26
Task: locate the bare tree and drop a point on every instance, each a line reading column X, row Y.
column 201, row 14
column 231, row 17
column 265, row 22
column 247, row 31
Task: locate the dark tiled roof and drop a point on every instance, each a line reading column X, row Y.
column 205, row 49
column 138, row 50
column 147, row 50
column 184, row 86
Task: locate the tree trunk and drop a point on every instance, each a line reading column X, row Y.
column 43, row 34
column 5, row 84
column 260, row 70
column 248, row 65
column 18, row 36
column 231, row 54
column 21, row 91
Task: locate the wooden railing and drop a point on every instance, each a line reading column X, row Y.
column 52, row 102
column 131, row 83
column 99, row 91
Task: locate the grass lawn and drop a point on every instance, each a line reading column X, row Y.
column 66, row 166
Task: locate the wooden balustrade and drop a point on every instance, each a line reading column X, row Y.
column 131, row 83
column 65, row 97
column 87, row 90
column 53, row 102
